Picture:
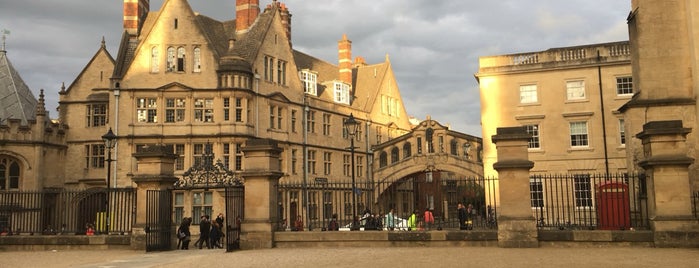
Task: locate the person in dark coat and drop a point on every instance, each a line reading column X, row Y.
column 216, row 235
column 204, row 231
column 184, row 240
column 463, row 217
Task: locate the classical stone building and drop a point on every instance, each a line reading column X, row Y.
column 567, row 98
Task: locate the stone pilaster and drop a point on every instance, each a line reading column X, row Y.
column 669, row 197
column 155, row 171
column 516, row 225
column 261, row 175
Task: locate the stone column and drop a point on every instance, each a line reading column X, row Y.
column 261, row 174
column 516, row 224
column 669, row 196
column 155, row 171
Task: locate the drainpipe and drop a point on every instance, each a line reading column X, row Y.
column 369, row 173
column 604, row 124
column 306, row 109
column 257, row 105
column 117, row 93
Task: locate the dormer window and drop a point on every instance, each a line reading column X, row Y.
column 342, row 92
column 309, row 80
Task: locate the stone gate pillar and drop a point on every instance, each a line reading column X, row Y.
column 516, row 224
column 155, row 171
column 669, row 196
column 261, row 174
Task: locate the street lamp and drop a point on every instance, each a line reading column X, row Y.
column 351, row 126
column 109, row 142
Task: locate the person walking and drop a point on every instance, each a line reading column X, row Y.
column 390, row 224
column 215, row 235
column 412, row 221
column 184, row 234
column 204, row 231
column 429, row 219
column 462, row 216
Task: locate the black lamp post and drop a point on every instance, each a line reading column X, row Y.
column 109, row 142
column 351, row 126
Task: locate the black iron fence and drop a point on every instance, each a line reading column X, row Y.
column 67, row 211
column 314, row 204
column 568, row 201
column 590, row 201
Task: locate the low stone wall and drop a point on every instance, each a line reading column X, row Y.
column 444, row 238
column 385, row 239
column 63, row 242
column 457, row 238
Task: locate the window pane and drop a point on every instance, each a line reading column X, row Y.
column 527, row 94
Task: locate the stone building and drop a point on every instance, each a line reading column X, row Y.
column 567, row 98
column 584, row 105
column 205, row 87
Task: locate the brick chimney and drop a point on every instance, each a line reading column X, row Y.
column 246, row 12
column 135, row 12
column 344, row 51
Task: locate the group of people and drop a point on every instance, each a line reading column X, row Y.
column 390, row 222
column 210, row 232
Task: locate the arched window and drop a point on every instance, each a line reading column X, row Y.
column 467, row 147
column 383, row 159
column 154, row 66
column 9, row 174
column 170, row 59
column 406, row 150
column 394, row 155
column 180, row 59
column 454, row 147
column 197, row 60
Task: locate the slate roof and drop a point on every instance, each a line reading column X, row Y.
column 16, row 99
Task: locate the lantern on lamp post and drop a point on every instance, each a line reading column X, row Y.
column 351, row 125
column 109, row 141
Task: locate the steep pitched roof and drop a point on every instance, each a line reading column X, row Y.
column 16, row 99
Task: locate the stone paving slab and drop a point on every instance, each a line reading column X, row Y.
column 364, row 257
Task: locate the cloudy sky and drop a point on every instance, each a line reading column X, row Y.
column 433, row 45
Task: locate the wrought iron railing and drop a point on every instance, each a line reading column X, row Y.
column 53, row 212
column 589, row 201
column 319, row 200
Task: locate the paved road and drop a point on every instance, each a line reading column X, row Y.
column 490, row 257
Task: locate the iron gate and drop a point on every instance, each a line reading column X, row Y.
column 235, row 197
column 158, row 220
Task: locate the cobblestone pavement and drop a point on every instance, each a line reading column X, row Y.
column 490, row 257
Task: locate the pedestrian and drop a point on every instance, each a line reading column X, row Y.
column 390, row 223
column 215, row 235
column 183, row 234
column 429, row 219
column 470, row 214
column 204, row 231
column 412, row 221
column 332, row 225
column 462, row 216
column 298, row 224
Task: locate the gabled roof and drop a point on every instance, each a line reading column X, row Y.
column 367, row 82
column 218, row 34
column 16, row 99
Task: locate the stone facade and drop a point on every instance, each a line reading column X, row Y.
column 553, row 91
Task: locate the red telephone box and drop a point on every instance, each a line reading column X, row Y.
column 613, row 212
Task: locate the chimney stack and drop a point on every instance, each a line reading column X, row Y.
column 344, row 51
column 246, row 12
column 135, row 12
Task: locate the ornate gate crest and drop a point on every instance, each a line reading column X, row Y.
column 205, row 174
